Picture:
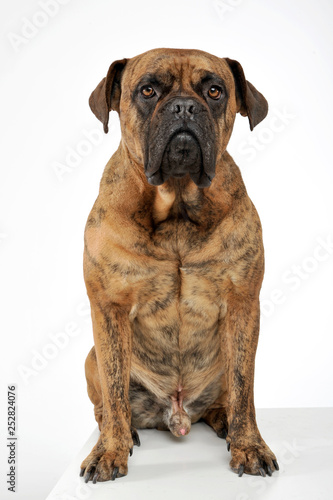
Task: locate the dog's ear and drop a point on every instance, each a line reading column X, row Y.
column 251, row 103
column 106, row 95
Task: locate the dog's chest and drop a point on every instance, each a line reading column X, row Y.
column 175, row 320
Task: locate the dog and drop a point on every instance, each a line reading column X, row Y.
column 174, row 261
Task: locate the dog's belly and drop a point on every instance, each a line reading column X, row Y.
column 176, row 342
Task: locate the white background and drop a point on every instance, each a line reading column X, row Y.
column 46, row 79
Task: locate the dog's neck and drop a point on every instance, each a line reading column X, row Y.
column 178, row 198
column 183, row 198
column 175, row 195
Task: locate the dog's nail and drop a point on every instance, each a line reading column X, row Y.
column 262, row 472
column 88, row 476
column 222, row 434
column 135, row 437
column 82, row 472
column 114, row 473
column 241, row 471
column 269, row 470
column 95, row 478
column 131, row 452
column 276, row 465
column 228, row 446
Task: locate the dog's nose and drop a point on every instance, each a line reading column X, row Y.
column 183, row 107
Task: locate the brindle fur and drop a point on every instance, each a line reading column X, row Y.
column 173, row 274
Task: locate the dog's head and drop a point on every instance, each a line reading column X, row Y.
column 177, row 109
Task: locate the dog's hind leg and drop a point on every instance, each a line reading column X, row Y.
column 95, row 392
column 217, row 419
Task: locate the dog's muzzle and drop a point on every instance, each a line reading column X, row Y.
column 181, row 142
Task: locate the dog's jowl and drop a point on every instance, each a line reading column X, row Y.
column 174, row 261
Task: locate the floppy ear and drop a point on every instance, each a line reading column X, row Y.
column 251, row 103
column 106, row 95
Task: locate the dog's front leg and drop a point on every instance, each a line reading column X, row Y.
column 250, row 454
column 113, row 339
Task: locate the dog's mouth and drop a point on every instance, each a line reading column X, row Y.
column 182, row 155
column 180, row 150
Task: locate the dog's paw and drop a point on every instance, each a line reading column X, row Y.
column 104, row 464
column 252, row 458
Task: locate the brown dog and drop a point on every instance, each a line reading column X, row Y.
column 174, row 261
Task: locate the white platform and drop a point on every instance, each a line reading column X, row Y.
column 196, row 467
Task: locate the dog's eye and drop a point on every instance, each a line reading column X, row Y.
column 215, row 92
column 147, row 91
